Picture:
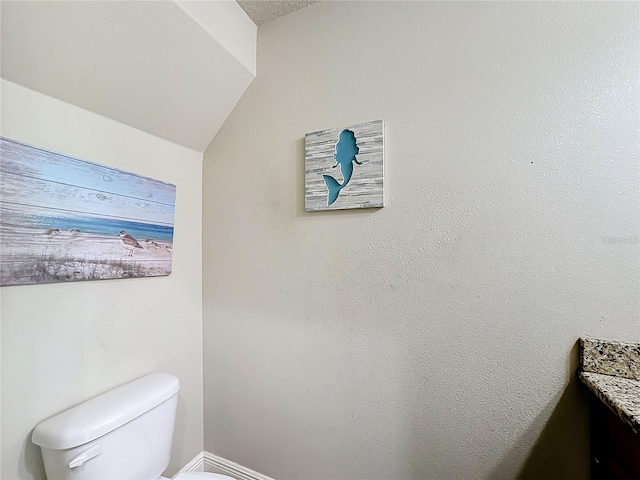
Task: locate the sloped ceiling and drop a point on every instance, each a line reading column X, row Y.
column 172, row 69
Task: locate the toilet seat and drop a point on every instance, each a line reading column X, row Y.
column 202, row 476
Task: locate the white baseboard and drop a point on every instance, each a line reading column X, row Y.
column 208, row 462
column 195, row 465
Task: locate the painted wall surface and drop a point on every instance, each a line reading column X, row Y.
column 229, row 25
column 434, row 338
column 65, row 343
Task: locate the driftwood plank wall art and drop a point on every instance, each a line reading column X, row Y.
column 344, row 167
column 65, row 219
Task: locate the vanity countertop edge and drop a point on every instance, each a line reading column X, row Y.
column 621, row 395
column 611, row 370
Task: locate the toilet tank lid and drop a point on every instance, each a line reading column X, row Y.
column 104, row 413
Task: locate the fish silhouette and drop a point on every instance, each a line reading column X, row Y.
column 346, row 151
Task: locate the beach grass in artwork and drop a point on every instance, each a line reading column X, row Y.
column 65, row 219
column 344, row 167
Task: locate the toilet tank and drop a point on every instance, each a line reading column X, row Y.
column 123, row 434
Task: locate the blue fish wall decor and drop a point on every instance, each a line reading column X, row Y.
column 345, row 156
column 359, row 152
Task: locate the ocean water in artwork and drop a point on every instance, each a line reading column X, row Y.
column 65, row 219
column 103, row 226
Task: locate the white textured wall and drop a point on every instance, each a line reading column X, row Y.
column 433, row 338
column 64, row 343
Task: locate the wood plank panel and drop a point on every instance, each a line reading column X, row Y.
column 21, row 159
column 27, row 193
column 366, row 187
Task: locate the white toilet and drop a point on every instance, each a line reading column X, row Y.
column 124, row 434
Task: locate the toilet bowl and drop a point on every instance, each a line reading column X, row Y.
column 123, row 434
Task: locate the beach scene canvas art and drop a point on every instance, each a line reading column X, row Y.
column 65, row 219
column 344, row 167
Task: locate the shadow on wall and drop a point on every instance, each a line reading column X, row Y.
column 179, row 434
column 562, row 449
column 32, row 459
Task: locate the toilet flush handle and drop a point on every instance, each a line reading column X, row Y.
column 85, row 456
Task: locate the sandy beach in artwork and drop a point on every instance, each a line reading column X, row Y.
column 30, row 255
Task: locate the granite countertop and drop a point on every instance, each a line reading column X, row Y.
column 611, row 370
